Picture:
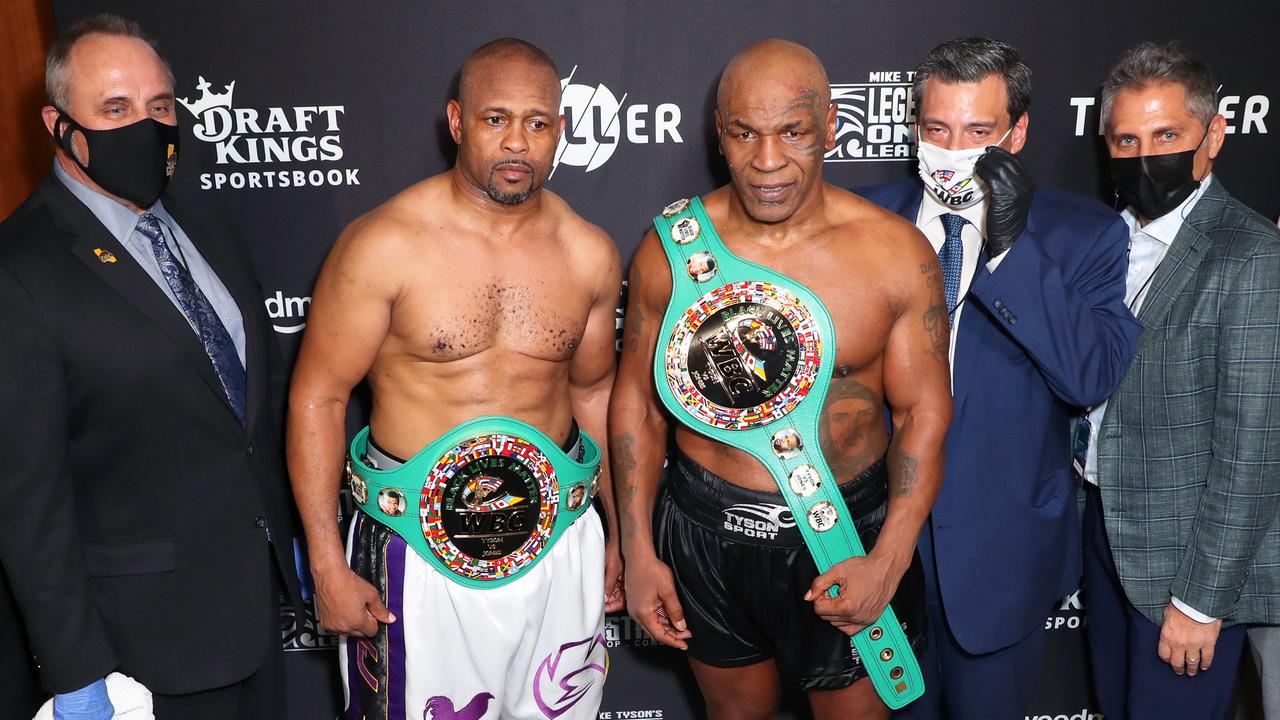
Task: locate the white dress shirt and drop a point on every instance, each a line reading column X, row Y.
column 1147, row 247
column 929, row 220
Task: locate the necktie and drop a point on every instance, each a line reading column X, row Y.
column 952, row 258
column 199, row 312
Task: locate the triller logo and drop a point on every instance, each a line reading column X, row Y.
column 595, row 121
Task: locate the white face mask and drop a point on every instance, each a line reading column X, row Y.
column 948, row 174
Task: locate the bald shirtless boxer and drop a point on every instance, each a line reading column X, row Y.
column 716, row 558
column 480, row 308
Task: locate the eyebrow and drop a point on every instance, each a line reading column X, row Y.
column 509, row 111
column 978, row 123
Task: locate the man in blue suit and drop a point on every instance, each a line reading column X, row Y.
column 1034, row 280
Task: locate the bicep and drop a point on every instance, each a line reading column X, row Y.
column 348, row 320
column 916, row 368
column 648, row 291
column 596, row 357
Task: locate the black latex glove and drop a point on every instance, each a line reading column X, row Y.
column 1009, row 197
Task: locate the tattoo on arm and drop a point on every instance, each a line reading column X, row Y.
column 939, row 329
column 624, row 463
column 902, row 473
column 936, row 322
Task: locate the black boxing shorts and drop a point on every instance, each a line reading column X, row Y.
column 741, row 570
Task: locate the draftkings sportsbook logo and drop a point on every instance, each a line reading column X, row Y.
column 273, row 147
column 596, row 121
column 875, row 119
column 1069, row 615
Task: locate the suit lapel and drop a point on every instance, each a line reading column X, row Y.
column 1179, row 266
column 127, row 278
column 245, row 293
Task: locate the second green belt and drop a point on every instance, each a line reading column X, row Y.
column 766, row 398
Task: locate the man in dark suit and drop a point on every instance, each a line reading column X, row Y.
column 151, row 529
column 1182, row 551
column 1034, row 278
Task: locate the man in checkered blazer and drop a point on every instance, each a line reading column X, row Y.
column 1182, row 547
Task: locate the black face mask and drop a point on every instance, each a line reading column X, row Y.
column 1156, row 184
column 133, row 162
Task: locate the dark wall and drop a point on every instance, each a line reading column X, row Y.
column 350, row 99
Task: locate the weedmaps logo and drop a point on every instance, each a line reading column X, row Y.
column 264, row 147
column 596, row 121
column 288, row 314
column 874, row 119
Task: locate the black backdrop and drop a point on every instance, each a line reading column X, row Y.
column 337, row 105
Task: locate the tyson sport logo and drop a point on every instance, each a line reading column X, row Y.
column 279, row 147
column 596, row 121
column 758, row 520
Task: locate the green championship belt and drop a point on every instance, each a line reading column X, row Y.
column 484, row 502
column 747, row 361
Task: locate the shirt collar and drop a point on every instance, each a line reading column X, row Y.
column 114, row 215
column 931, row 209
column 1165, row 228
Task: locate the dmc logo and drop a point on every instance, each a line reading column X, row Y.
column 620, row 630
column 292, row 311
column 595, row 122
column 758, row 520
column 1244, row 116
column 276, row 136
column 874, row 118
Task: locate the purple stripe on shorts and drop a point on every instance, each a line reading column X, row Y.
column 395, row 631
column 354, row 711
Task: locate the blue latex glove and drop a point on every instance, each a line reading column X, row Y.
column 90, row 702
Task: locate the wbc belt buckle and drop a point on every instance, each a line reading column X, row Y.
column 489, row 506
column 743, row 355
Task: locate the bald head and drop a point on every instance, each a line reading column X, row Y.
column 498, row 60
column 776, row 63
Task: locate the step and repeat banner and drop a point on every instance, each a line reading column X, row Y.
column 297, row 117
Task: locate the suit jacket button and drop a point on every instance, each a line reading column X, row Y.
column 249, row 450
column 260, row 522
column 1013, row 319
column 999, row 304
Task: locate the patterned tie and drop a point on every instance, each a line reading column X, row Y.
column 199, row 311
column 952, row 258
